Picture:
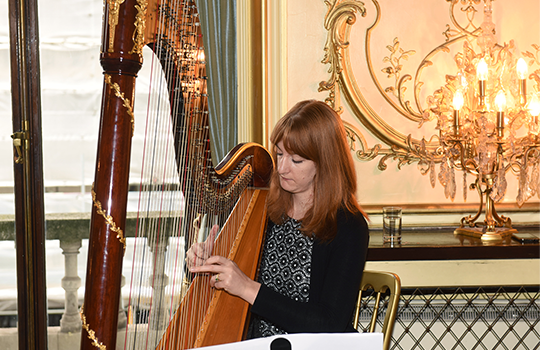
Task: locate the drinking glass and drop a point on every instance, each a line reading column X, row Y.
column 392, row 225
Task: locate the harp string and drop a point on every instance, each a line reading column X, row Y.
column 179, row 189
column 154, row 217
column 172, row 196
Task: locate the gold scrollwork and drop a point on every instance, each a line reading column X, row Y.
column 413, row 153
column 340, row 17
column 395, row 66
column 140, row 25
column 109, row 219
column 114, row 12
column 126, row 102
column 534, row 58
column 91, row 333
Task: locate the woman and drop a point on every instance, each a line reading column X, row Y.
column 317, row 237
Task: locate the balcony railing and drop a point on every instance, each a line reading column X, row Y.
column 65, row 294
column 67, row 237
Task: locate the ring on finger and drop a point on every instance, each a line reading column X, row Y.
column 217, row 277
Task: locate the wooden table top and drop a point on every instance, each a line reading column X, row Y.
column 442, row 244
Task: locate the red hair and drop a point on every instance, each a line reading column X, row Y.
column 314, row 131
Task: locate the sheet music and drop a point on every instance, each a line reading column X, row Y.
column 311, row 341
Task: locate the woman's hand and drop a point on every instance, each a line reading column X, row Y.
column 199, row 252
column 227, row 276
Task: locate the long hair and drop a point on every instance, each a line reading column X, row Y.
column 314, row 131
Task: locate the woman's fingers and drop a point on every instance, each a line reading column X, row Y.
column 197, row 261
column 199, row 252
column 223, row 271
column 212, row 264
column 209, row 242
column 196, row 255
column 225, row 274
column 218, row 260
column 217, row 266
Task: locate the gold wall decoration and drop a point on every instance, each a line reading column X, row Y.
column 340, row 17
column 482, row 123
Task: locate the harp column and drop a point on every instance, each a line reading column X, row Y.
column 121, row 59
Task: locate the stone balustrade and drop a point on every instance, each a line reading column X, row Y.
column 70, row 230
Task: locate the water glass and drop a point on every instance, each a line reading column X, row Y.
column 392, row 225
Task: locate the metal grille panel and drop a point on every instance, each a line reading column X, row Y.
column 463, row 318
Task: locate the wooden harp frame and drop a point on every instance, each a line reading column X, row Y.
column 125, row 31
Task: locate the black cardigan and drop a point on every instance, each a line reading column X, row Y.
column 336, row 273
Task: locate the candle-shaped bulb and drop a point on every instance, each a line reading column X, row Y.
column 200, row 55
column 521, row 68
column 482, row 74
column 482, row 70
column 500, row 101
column 457, row 103
column 463, row 82
column 534, row 106
column 534, row 110
column 458, row 100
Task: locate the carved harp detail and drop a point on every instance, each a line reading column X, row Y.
column 109, row 219
column 114, row 10
column 125, row 101
column 140, row 26
column 232, row 195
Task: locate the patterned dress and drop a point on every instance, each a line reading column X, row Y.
column 285, row 268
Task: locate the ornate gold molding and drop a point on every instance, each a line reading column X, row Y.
column 403, row 85
column 420, row 90
column 114, row 11
column 340, row 17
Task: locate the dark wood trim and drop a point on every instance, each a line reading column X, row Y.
column 28, row 175
column 442, row 244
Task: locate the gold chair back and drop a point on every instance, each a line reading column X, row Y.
column 380, row 282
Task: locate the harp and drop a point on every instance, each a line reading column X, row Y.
column 232, row 195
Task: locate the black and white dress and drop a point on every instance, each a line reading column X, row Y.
column 309, row 285
column 285, row 268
